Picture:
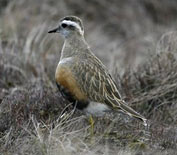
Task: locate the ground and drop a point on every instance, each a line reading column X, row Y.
column 137, row 42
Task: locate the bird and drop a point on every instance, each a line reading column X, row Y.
column 82, row 78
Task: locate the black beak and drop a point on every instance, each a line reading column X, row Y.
column 54, row 30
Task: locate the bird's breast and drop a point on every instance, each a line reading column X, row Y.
column 65, row 77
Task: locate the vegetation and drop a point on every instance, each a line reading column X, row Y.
column 36, row 120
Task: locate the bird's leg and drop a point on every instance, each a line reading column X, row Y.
column 91, row 125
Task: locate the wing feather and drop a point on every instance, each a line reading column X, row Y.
column 98, row 85
column 95, row 80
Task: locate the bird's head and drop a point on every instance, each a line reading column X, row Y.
column 69, row 26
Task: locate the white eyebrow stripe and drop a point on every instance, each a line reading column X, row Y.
column 69, row 22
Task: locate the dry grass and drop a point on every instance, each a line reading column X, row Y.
column 35, row 119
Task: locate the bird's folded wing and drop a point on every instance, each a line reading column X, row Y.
column 96, row 82
column 98, row 85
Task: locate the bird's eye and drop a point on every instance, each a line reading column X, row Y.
column 64, row 25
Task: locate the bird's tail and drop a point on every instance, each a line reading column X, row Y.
column 128, row 110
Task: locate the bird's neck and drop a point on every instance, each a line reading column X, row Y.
column 73, row 46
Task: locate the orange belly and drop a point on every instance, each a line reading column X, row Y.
column 65, row 78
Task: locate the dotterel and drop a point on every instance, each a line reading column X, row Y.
column 81, row 76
